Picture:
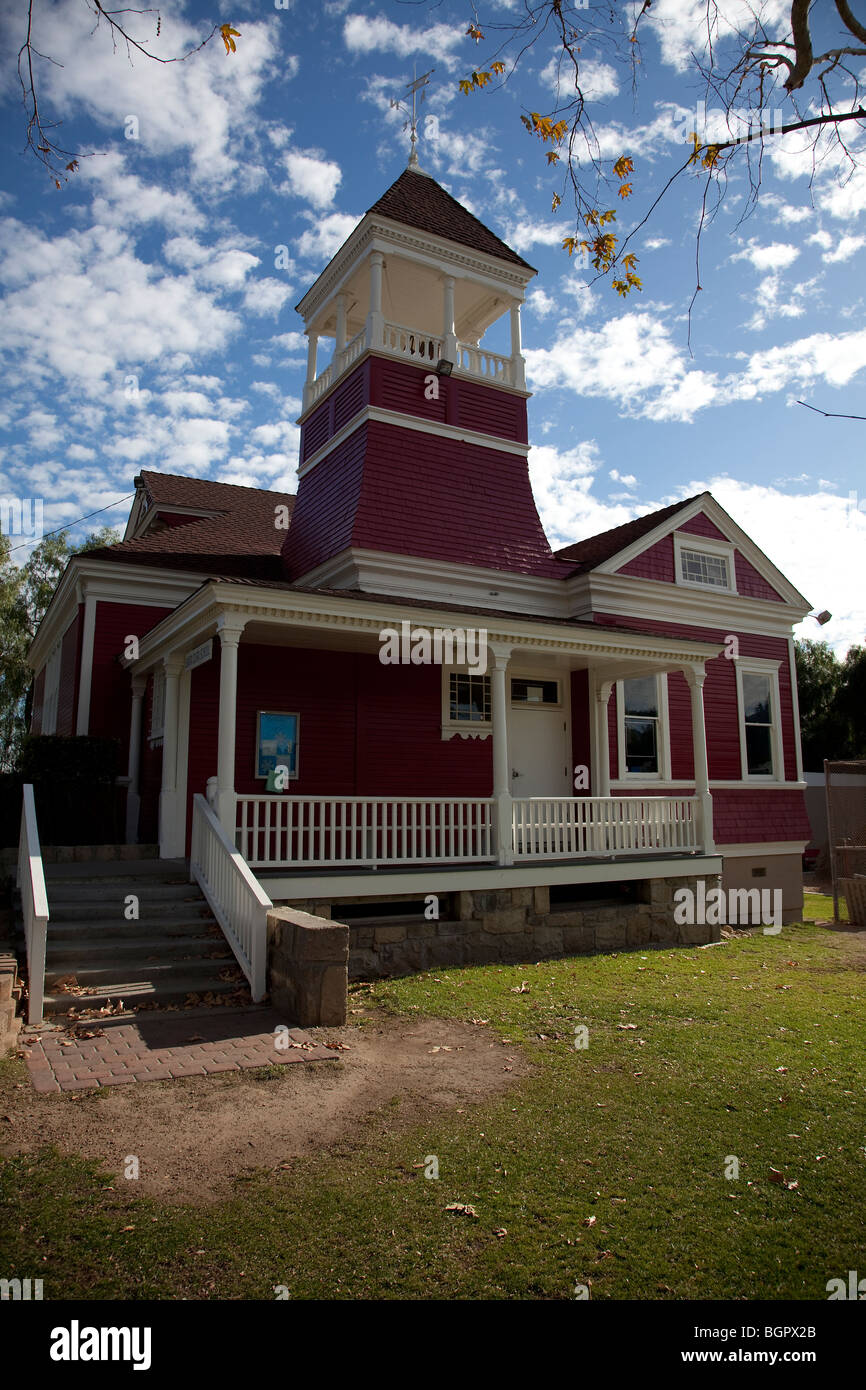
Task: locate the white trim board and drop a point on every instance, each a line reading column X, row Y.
column 754, row 851
column 418, row 423
column 282, row 887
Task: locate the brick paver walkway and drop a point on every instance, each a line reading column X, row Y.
column 159, row 1046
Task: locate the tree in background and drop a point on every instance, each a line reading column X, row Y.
column 832, row 695
column 25, row 593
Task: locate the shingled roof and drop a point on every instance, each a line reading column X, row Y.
column 417, row 200
column 593, row 551
column 241, row 540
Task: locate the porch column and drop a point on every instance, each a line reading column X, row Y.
column 449, row 334
column 518, row 366
column 501, row 762
column 168, row 809
column 230, row 629
column 312, row 358
column 133, row 794
column 375, row 321
column 695, row 676
column 601, row 780
column 341, row 324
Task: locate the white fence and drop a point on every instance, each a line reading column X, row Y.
column 317, row 832
column 34, row 905
column 234, row 894
column 310, row 831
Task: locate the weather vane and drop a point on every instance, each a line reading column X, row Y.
column 412, row 89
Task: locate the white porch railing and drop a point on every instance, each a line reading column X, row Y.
column 311, row 831
column 34, row 905
column 236, row 898
column 490, row 366
column 408, row 342
column 366, row 832
column 593, row 826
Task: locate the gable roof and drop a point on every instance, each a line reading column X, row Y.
column 417, row 200
column 240, row 539
column 595, row 550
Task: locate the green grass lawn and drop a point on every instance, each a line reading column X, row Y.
column 605, row 1167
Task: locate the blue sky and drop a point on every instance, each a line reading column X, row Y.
column 146, row 324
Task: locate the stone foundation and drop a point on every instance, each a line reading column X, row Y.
column 509, row 925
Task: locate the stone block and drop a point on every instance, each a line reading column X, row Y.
column 464, row 904
column 421, row 931
column 638, row 929
column 611, row 936
column 522, row 897
column 541, row 899
column 578, row 940
column 510, row 920
column 382, row 935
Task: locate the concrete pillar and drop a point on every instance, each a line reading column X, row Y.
column 518, row 366
column 133, row 793
column 230, row 629
column 170, row 847
column 695, row 676
column 501, row 762
column 449, row 333
column 375, row 319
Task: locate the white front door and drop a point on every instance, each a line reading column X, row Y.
column 538, row 747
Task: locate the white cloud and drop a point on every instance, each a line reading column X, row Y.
column 326, row 235
column 775, row 257
column 369, row 34
column 845, row 248
column 311, row 178
column 597, row 81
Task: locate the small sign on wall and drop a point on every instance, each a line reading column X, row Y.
column 199, row 655
column 276, row 746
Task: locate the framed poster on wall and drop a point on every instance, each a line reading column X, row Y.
column 276, row 742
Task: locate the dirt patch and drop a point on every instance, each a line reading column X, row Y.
column 194, row 1137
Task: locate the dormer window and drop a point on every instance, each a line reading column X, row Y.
column 704, row 563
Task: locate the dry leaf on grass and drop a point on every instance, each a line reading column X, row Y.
column 464, row 1208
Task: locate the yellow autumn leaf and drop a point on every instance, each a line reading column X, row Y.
column 229, row 35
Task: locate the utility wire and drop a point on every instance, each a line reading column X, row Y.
column 70, row 524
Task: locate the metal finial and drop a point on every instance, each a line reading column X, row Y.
column 412, row 89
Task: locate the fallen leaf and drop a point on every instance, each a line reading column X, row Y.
column 463, row 1207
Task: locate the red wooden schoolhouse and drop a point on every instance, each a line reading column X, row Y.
column 634, row 724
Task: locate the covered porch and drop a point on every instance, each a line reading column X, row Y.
column 321, row 826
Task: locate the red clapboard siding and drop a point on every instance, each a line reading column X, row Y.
column 204, row 698
column 700, row 525
column 403, row 492
column 657, row 562
column 150, row 774
column 110, row 689
column 747, row 817
column 70, row 665
column 38, row 703
column 581, row 723
column 721, row 711
column 680, row 727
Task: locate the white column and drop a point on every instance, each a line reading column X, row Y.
column 501, row 761
column 695, row 676
column 168, row 809
column 230, row 635
column 341, row 324
column 133, row 792
column 375, row 320
column 601, row 779
column 449, row 334
column 518, row 366
column 85, row 680
column 312, row 358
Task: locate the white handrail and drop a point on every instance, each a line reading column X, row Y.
column 34, row 905
column 234, row 894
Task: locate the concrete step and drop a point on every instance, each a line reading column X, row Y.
column 158, row 929
column 65, row 957
column 96, row 871
column 134, row 990
column 101, row 974
column 190, row 907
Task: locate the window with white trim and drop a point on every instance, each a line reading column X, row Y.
column 642, row 725
column 760, row 731
column 157, row 708
column 468, row 698
column 51, row 694
column 704, row 562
